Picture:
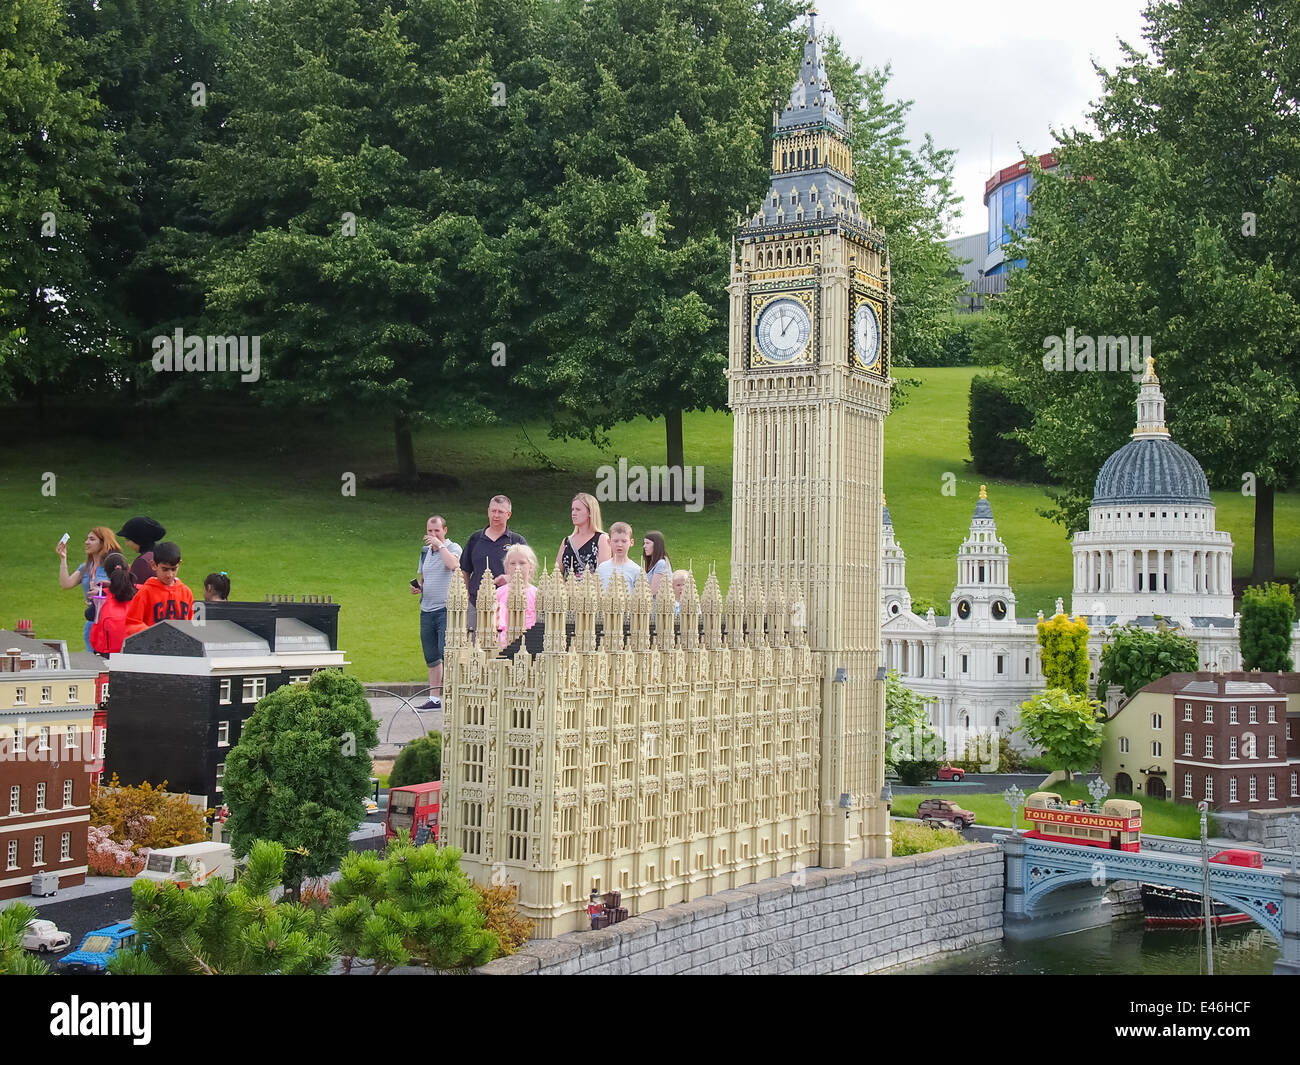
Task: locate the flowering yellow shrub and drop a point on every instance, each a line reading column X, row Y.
column 147, row 816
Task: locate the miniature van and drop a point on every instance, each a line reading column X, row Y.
column 189, row 865
column 98, row 947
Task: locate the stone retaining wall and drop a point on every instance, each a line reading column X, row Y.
column 873, row 915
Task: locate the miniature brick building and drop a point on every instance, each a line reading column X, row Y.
column 47, row 749
column 658, row 757
column 182, row 690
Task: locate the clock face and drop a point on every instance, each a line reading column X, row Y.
column 999, row 609
column 783, row 329
column 963, row 608
column 866, row 336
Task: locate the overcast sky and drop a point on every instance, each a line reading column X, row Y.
column 999, row 74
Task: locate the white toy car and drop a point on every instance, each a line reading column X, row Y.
column 45, row 937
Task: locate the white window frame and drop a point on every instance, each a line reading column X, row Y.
column 1157, row 721
column 11, row 858
column 1209, row 714
column 1187, row 744
column 1272, row 787
column 20, row 697
column 65, row 847
column 15, row 799
column 1272, row 746
column 224, row 697
column 223, row 733
column 40, row 796
column 67, row 793
column 1232, row 747
column 1232, row 715
column 1254, row 715
column 1209, row 746
column 1123, row 745
column 221, row 775
column 1253, row 789
column 257, row 685
column 1232, row 789
column 1187, row 785
column 43, row 738
column 74, row 693
column 1272, row 715
column 47, row 693
column 1156, row 749
column 1209, row 788
column 38, row 850
column 70, row 738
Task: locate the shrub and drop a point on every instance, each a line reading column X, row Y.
column 497, row 901
column 993, row 413
column 1040, row 763
column 419, row 762
column 105, row 856
column 914, row 774
column 1266, row 616
column 147, row 816
column 920, row 604
column 911, row 838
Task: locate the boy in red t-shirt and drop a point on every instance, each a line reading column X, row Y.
column 162, row 597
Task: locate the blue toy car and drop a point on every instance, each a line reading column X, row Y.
column 98, row 947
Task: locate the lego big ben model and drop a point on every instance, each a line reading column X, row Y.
column 809, row 388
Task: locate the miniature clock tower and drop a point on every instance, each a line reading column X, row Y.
column 983, row 590
column 809, row 388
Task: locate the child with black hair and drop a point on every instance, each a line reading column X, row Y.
column 109, row 630
column 216, row 587
column 162, row 597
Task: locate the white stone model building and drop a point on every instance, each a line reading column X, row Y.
column 1150, row 549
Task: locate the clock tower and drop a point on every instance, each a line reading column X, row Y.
column 808, row 376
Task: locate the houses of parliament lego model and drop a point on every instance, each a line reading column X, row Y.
column 624, row 744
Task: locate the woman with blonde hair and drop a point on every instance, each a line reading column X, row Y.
column 587, row 546
column 100, row 542
column 519, row 559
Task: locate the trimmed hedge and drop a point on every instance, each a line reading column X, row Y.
column 994, row 413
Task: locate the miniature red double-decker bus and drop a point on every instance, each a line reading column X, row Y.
column 1117, row 825
column 411, row 807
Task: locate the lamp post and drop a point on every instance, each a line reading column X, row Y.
column 1206, row 909
column 1098, row 789
column 1015, row 799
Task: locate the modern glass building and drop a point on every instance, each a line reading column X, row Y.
column 1006, row 195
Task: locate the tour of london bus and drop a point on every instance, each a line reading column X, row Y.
column 1116, row 826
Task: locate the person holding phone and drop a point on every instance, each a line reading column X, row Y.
column 439, row 560
column 100, row 542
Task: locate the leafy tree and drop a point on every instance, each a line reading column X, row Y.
column 1267, row 614
column 222, row 930
column 1132, row 658
column 653, row 118
column 1175, row 220
column 1065, row 726
column 358, row 173
column 14, row 960
column 1064, row 641
column 301, row 772
column 419, row 762
column 57, row 174
column 411, row 904
column 914, row 749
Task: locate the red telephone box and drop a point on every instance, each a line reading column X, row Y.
column 413, row 806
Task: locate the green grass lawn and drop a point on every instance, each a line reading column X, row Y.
column 261, row 498
column 1160, row 817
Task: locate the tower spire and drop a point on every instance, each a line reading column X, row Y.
column 1150, row 405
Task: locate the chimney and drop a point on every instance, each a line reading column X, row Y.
column 24, row 627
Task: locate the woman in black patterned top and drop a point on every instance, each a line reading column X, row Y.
column 587, row 546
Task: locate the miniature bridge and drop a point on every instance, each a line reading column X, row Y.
column 1055, row 887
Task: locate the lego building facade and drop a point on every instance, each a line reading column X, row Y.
column 182, row 690
column 47, row 754
column 669, row 757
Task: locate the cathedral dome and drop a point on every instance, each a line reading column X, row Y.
column 1151, row 469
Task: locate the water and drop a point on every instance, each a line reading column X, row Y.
column 1125, row 947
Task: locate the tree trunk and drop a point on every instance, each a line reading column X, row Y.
column 405, row 449
column 1263, row 567
column 673, row 439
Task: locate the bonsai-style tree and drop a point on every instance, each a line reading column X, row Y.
column 1065, row 726
column 1064, row 641
column 411, row 904
column 301, row 772
column 419, row 762
column 1132, row 658
column 1266, row 616
column 222, row 930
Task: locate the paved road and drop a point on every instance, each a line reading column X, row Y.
column 975, row 784
column 399, row 723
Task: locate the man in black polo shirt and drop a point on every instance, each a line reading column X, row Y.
column 486, row 549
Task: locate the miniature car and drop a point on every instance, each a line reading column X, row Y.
column 941, row 822
column 947, row 772
column 45, row 936
column 945, row 810
column 93, row 955
column 372, row 807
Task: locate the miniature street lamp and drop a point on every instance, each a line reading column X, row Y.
column 1015, row 799
column 1098, row 789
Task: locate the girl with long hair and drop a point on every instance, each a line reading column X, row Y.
column 654, row 558
column 100, row 541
